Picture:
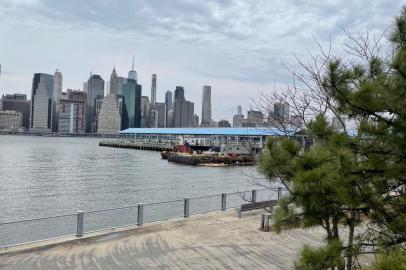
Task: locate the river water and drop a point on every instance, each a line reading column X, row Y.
column 48, row 176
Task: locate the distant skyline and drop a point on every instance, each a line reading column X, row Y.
column 235, row 46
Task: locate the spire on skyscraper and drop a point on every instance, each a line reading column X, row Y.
column 132, row 74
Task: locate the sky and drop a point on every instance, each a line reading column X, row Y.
column 236, row 46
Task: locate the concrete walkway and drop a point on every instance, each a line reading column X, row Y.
column 217, row 240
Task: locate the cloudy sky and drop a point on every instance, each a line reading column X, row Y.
column 237, row 46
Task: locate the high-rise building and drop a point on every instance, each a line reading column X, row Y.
column 153, row 90
column 254, row 119
column 281, row 111
column 206, row 106
column 42, row 102
column 57, row 89
column 183, row 114
column 18, row 103
column 168, row 107
column 132, row 74
column 183, row 110
column 72, row 112
column 113, row 83
column 109, row 117
column 131, row 105
column 145, row 105
column 95, row 92
column 224, row 124
column 179, row 94
column 160, row 109
column 238, row 118
column 195, row 120
column 239, row 109
column 11, row 120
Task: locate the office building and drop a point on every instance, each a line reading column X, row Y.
column 145, row 105
column 42, row 95
column 131, row 105
column 11, row 120
column 183, row 114
column 95, row 94
column 153, row 90
column 238, row 118
column 57, row 92
column 183, row 110
column 196, row 121
column 179, row 94
column 168, row 107
column 281, row 112
column 224, row 124
column 109, row 121
column 113, row 83
column 132, row 74
column 18, row 103
column 160, row 109
column 206, row 106
column 72, row 112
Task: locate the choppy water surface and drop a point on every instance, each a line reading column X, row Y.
column 45, row 176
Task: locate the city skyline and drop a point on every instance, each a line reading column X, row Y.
column 236, row 46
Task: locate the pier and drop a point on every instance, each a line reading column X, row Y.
column 151, row 146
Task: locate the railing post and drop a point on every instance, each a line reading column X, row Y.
column 186, row 212
column 223, row 201
column 79, row 223
column 254, row 196
column 140, row 217
column 279, row 193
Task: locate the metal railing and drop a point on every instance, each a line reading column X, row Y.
column 83, row 222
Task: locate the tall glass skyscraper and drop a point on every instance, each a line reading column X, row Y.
column 206, row 106
column 95, row 88
column 131, row 105
column 42, row 102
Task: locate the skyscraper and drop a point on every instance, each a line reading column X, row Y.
column 168, row 108
column 57, row 92
column 206, row 106
column 18, row 103
column 132, row 74
column 281, row 112
column 109, row 117
column 42, row 102
column 145, row 105
column 113, row 82
column 95, row 87
column 183, row 110
column 238, row 118
column 179, row 94
column 153, row 90
column 72, row 112
column 131, row 105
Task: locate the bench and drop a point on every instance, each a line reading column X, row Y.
column 255, row 205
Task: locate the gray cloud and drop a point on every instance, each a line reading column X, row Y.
column 237, row 40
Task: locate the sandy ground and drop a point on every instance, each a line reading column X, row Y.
column 218, row 240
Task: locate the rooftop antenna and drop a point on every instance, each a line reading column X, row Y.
column 132, row 66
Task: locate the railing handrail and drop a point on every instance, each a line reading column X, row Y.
column 132, row 206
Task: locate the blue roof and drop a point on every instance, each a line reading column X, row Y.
column 209, row 131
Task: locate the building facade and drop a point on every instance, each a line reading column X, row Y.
column 11, row 120
column 18, row 103
column 41, row 113
column 109, row 117
column 72, row 112
column 145, row 106
column 95, row 86
column 131, row 105
column 57, row 93
column 206, row 106
column 168, row 108
column 183, row 114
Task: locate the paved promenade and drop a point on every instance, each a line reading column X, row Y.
column 217, row 240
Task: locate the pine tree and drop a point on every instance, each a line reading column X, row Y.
column 348, row 180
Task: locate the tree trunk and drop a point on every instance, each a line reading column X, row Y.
column 350, row 242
